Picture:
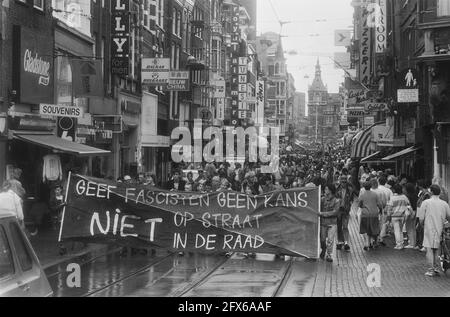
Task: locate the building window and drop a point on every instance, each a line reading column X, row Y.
column 443, row 8
column 146, row 14
column 281, row 89
column 39, row 4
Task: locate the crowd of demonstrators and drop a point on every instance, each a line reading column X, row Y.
column 385, row 203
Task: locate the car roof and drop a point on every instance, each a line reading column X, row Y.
column 7, row 216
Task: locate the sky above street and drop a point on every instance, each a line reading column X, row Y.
column 310, row 33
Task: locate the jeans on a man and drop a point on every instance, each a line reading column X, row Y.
column 419, row 233
column 327, row 237
column 398, row 230
column 342, row 228
column 384, row 225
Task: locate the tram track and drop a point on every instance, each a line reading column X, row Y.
column 199, row 281
column 186, row 287
column 285, row 275
column 130, row 275
column 284, row 279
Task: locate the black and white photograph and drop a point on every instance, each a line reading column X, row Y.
column 225, row 153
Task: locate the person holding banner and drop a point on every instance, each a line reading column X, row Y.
column 346, row 194
column 328, row 222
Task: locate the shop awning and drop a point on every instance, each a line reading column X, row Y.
column 401, row 153
column 371, row 157
column 61, row 145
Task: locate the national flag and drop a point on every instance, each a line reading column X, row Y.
column 361, row 142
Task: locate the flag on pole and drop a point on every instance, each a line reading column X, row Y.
column 361, row 142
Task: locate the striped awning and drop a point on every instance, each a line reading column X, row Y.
column 402, row 153
column 361, row 142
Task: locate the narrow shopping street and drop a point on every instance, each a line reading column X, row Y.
column 224, row 148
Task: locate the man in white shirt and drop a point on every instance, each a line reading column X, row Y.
column 385, row 196
column 433, row 214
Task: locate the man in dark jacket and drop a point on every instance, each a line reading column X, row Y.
column 345, row 193
column 328, row 220
column 176, row 183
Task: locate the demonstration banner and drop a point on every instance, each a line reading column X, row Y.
column 284, row 223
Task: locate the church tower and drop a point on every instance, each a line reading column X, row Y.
column 318, row 100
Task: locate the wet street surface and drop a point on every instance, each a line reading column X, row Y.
column 191, row 275
column 196, row 275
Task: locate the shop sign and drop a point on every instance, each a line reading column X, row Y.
column 66, row 128
column 155, row 71
column 220, row 110
column 178, row 81
column 356, row 113
column 408, row 95
column 30, row 121
column 85, row 134
column 392, row 143
column 220, row 87
column 36, row 67
column 237, row 84
column 120, row 37
column 60, row 111
column 342, row 38
column 111, row 123
column 373, row 107
column 381, row 27
column 365, row 67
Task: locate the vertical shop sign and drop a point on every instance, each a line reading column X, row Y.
column 235, row 45
column 243, row 68
column 381, row 27
column 260, row 97
column 120, row 37
column 365, row 66
column 36, row 64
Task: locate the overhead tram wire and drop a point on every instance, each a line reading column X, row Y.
column 282, row 23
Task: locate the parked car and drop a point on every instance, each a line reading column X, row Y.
column 21, row 274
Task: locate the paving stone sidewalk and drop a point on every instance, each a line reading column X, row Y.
column 402, row 272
